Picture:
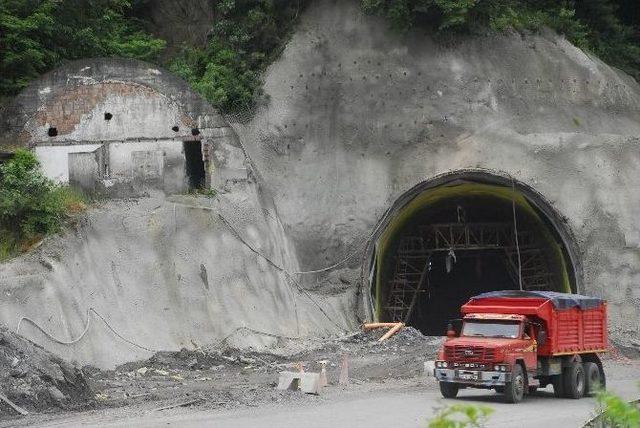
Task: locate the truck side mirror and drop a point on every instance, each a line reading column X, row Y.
column 542, row 337
column 450, row 331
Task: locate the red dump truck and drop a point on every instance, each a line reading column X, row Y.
column 517, row 341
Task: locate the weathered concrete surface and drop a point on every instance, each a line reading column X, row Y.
column 357, row 116
column 165, row 274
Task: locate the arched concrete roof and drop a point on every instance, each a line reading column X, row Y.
column 73, row 91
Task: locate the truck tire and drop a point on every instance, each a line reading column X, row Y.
column 558, row 385
column 449, row 389
column 514, row 390
column 593, row 382
column 574, row 380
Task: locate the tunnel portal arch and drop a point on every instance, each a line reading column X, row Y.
column 460, row 234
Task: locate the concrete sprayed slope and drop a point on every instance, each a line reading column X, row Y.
column 164, row 275
column 357, row 116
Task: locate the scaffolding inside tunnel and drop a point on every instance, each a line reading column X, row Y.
column 528, row 269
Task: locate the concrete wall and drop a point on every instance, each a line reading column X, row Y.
column 54, row 160
column 357, row 116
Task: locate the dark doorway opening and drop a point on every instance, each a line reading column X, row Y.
column 194, row 164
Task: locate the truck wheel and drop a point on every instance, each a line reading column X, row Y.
column 448, row 389
column 574, row 380
column 514, row 390
column 592, row 378
column 558, row 385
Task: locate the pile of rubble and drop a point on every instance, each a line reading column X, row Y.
column 32, row 379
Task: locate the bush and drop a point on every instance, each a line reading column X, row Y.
column 461, row 416
column 31, row 205
column 616, row 412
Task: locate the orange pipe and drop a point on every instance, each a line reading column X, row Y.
column 398, row 326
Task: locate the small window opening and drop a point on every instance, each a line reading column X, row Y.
column 53, row 131
column 194, row 165
column 108, row 116
column 175, row 129
column 195, row 131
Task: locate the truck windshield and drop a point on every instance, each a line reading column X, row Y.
column 491, row 329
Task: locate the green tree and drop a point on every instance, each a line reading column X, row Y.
column 246, row 37
column 37, row 35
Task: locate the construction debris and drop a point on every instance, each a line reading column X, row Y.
column 15, row 407
column 32, row 379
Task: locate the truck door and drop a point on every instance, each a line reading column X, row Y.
column 530, row 351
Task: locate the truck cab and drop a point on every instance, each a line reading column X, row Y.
column 502, row 344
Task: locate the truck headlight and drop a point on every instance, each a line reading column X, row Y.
column 496, row 368
column 441, row 364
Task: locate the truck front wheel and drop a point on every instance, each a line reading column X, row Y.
column 448, row 389
column 514, row 390
column 574, row 380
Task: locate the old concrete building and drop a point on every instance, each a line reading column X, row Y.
column 118, row 127
column 385, row 176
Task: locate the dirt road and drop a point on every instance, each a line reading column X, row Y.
column 392, row 403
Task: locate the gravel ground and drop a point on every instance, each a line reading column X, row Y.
column 217, row 377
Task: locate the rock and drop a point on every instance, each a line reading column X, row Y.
column 17, row 373
column 142, row 371
column 56, row 394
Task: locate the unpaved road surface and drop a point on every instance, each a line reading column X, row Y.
column 389, row 403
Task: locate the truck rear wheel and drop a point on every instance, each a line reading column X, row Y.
column 514, row 390
column 593, row 382
column 448, row 389
column 574, row 380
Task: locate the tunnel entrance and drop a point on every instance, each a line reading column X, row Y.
column 194, row 164
column 467, row 235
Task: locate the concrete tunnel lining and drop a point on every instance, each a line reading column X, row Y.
column 551, row 227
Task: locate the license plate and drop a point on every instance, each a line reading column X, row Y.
column 468, row 376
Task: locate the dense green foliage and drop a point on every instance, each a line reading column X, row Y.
column 31, row 205
column 608, row 28
column 245, row 38
column 37, row 35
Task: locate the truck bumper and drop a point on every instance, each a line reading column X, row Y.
column 472, row 377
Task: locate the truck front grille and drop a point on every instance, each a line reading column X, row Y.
column 468, row 353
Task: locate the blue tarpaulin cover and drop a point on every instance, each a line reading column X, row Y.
column 559, row 300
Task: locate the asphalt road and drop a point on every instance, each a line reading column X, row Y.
column 408, row 405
